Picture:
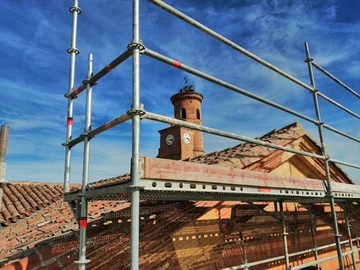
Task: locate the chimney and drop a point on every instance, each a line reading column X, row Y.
column 178, row 142
column 4, row 137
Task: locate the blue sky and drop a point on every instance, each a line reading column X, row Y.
column 35, row 73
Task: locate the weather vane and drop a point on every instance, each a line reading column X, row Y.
column 187, row 87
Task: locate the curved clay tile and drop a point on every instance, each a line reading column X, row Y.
column 20, row 198
column 16, row 200
column 39, row 204
column 59, row 188
column 31, row 203
column 55, row 195
column 44, row 190
column 37, row 191
column 10, row 207
column 3, row 219
column 5, row 213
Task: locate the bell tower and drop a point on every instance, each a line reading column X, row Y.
column 179, row 142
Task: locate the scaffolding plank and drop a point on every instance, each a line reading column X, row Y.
column 164, row 179
column 155, row 168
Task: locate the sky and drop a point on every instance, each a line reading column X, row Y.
column 35, row 76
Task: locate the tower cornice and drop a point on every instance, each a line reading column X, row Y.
column 186, row 95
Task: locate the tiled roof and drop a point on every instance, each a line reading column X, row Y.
column 21, row 199
column 245, row 154
column 33, row 212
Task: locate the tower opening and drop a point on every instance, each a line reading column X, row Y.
column 183, row 113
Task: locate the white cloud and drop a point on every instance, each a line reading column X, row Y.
column 35, row 73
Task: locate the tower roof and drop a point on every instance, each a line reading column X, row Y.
column 187, row 92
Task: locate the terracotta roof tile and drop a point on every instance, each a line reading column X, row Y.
column 245, row 154
column 20, row 200
column 53, row 220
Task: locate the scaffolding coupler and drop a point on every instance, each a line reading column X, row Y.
column 135, row 45
column 73, row 50
column 137, row 111
column 73, row 9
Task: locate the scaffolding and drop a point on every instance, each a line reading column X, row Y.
column 173, row 183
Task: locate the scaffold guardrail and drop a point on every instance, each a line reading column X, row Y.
column 147, row 185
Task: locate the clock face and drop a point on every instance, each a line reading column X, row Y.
column 169, row 139
column 186, row 138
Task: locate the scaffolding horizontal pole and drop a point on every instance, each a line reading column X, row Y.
column 344, row 163
column 125, row 55
column 292, row 255
column 341, row 133
column 173, row 121
column 247, row 265
column 338, row 105
column 228, row 42
column 320, row 260
column 121, row 119
column 222, row 83
column 334, row 78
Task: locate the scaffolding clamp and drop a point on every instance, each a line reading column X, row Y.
column 73, row 50
column 77, row 9
column 86, row 135
column 69, row 95
column 136, row 187
column 88, row 81
column 309, row 60
column 135, row 45
column 137, row 111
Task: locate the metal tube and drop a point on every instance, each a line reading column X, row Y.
column 341, row 133
column 117, row 121
column 125, row 55
column 344, row 163
column 75, row 10
column 242, row 266
column 292, row 255
column 313, row 235
column 348, row 226
column 243, row 246
column 85, row 177
column 326, row 161
column 284, row 235
column 135, row 160
column 338, row 105
column 334, row 79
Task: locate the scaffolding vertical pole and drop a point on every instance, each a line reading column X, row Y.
column 348, row 226
column 313, row 236
column 85, row 176
column 320, row 124
column 284, row 235
column 73, row 51
column 135, row 160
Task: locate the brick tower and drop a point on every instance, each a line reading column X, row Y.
column 179, row 142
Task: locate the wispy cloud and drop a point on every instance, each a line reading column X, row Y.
column 35, row 70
